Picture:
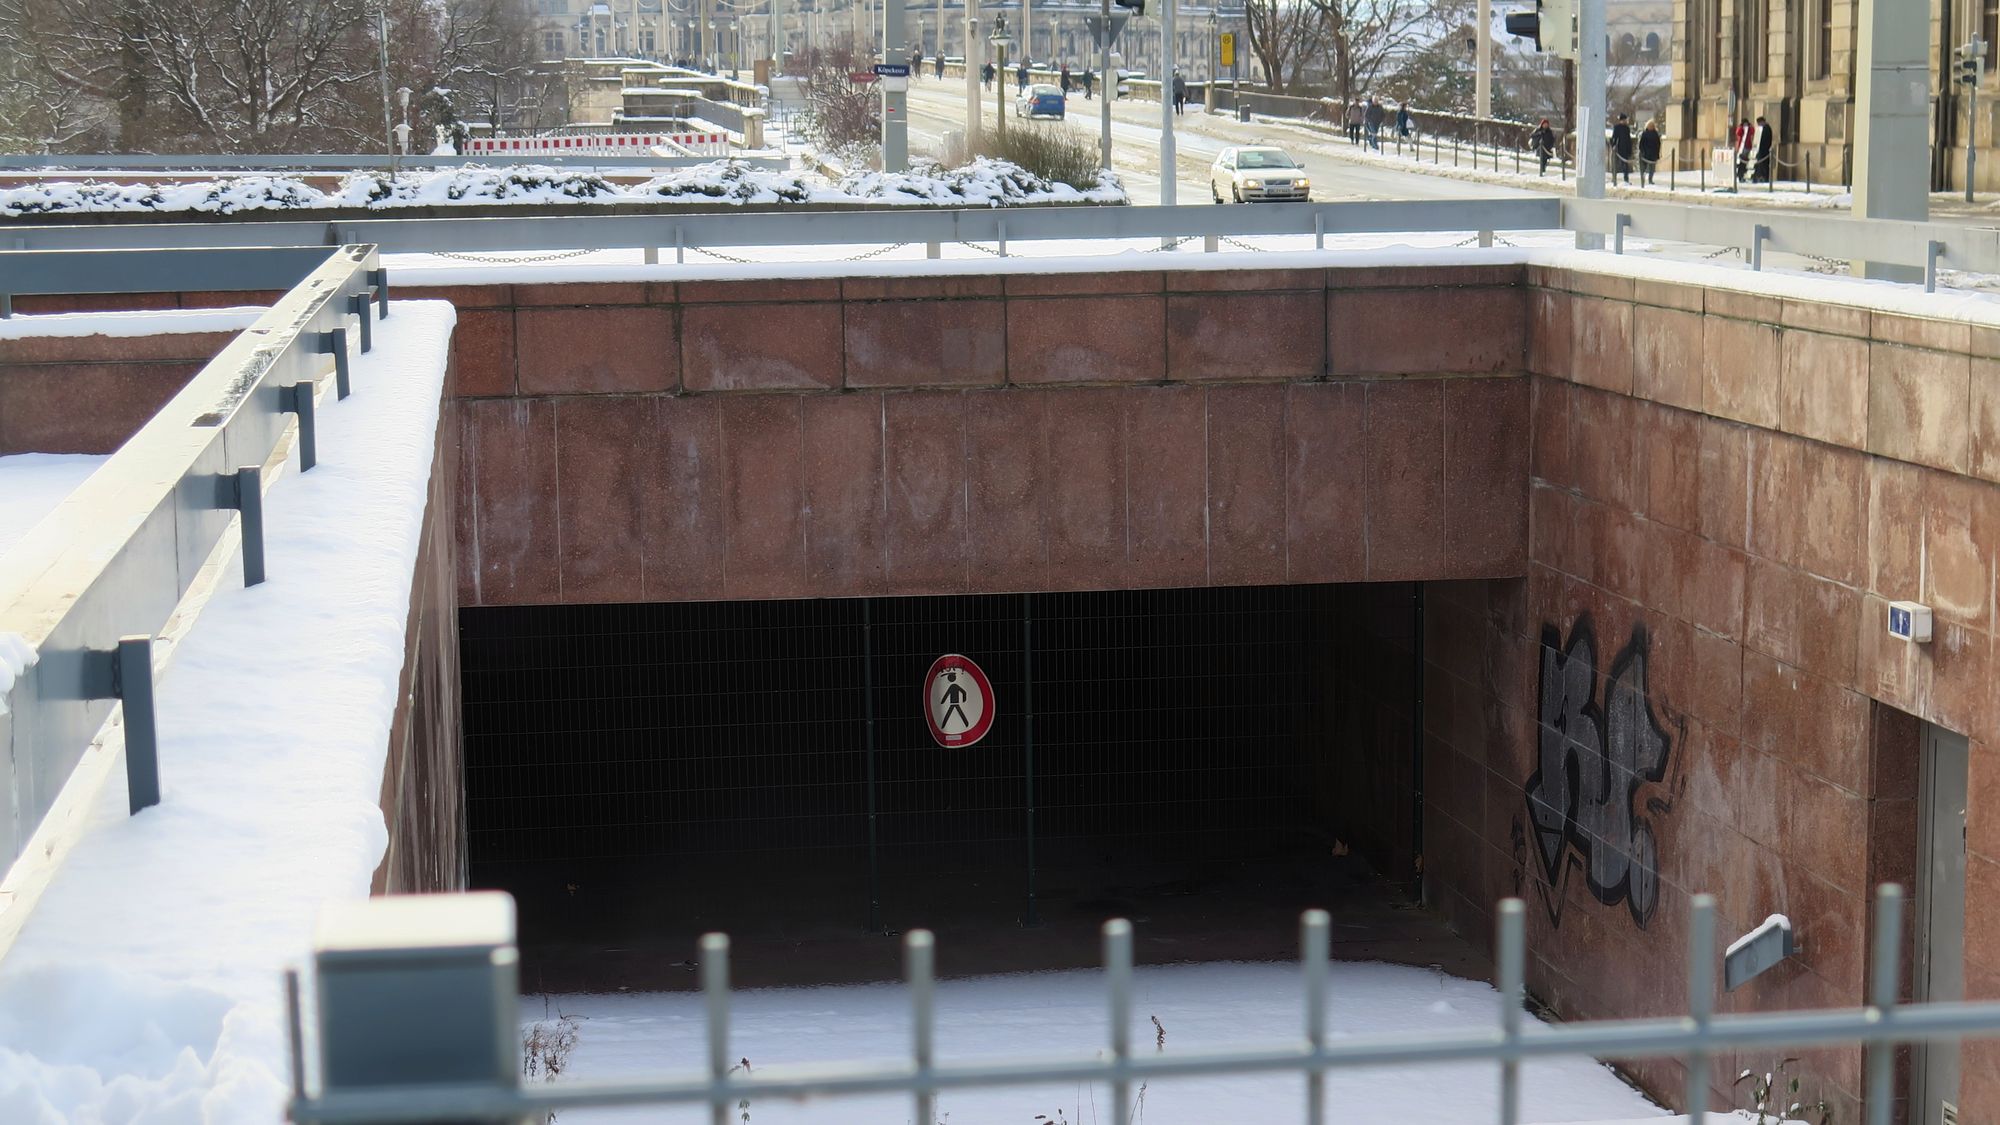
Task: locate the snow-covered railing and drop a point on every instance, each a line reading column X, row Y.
column 331, row 162
column 85, row 593
column 455, row 1066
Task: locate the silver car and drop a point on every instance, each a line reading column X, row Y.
column 1257, row 173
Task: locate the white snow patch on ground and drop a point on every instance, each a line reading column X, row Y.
column 146, row 986
column 142, row 322
column 32, row 484
column 1201, row 1007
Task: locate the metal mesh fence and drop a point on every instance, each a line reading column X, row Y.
column 1136, row 730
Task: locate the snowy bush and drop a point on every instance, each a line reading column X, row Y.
column 1054, row 152
column 730, row 181
column 983, row 183
column 528, row 184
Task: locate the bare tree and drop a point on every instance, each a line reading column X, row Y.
column 1366, row 40
column 1285, row 36
column 838, row 112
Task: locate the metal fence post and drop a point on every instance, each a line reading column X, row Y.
column 1513, row 953
column 1001, row 235
column 132, row 682
column 868, row 712
column 358, row 305
column 298, row 399
column 1879, row 1091
column 243, row 493
column 919, row 952
column 1118, row 974
column 1028, row 740
column 333, row 342
column 1701, row 999
column 1933, row 250
column 715, row 993
column 379, row 278
column 1758, row 234
column 1618, row 224
column 1314, row 946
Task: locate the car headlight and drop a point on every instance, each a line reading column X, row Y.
column 1303, row 183
column 1253, row 183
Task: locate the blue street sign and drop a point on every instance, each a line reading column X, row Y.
column 891, row 70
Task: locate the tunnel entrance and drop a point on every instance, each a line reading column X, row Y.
column 1205, row 761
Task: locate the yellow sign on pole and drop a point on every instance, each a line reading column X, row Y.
column 1228, row 48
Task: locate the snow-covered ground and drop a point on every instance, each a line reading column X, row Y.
column 32, row 484
column 146, row 985
column 1198, row 1007
column 142, row 322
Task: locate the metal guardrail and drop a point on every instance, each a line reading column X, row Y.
column 153, row 271
column 1917, row 246
column 1696, row 1038
column 89, row 587
column 568, row 231
column 342, row 162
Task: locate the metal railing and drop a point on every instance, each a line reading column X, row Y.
column 1923, row 247
column 89, row 588
column 251, row 269
column 1695, row 1037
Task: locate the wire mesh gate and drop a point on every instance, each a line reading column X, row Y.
column 782, row 746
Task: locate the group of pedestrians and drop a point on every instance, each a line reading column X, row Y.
column 1621, row 150
column 1084, row 80
column 1364, row 122
column 1755, row 147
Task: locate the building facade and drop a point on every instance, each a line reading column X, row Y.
column 1793, row 63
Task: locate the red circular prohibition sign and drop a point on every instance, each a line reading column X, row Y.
column 958, row 701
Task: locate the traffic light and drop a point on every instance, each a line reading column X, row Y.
column 1552, row 26
column 1969, row 64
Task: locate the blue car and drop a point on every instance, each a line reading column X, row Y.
column 1041, row 100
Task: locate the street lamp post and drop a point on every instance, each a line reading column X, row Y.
column 972, row 65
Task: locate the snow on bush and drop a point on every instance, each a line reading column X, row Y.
column 983, row 183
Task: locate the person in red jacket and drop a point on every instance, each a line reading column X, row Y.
column 1739, row 140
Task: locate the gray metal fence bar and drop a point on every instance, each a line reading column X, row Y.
column 1701, row 998
column 1512, row 958
column 715, row 995
column 132, row 682
column 1885, row 983
column 1314, row 949
column 240, row 268
column 243, row 493
column 1118, row 982
column 1974, row 249
column 788, row 228
column 918, row 958
column 334, row 343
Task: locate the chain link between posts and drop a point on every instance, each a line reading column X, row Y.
column 513, row 259
column 861, row 257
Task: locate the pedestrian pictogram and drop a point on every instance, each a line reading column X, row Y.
column 958, row 701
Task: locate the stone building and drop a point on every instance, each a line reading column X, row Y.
column 1793, row 62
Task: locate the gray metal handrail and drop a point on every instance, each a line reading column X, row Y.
column 247, row 269
column 573, row 229
column 89, row 587
column 1514, row 1039
column 1922, row 246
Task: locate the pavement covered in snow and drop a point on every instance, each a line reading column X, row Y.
column 32, row 484
column 1198, row 1008
column 982, row 183
column 146, row 985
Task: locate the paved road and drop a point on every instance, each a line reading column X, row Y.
column 1135, row 136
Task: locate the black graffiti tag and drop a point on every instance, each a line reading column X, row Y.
column 1592, row 765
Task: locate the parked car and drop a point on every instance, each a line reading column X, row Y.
column 1041, row 100
column 1248, row 174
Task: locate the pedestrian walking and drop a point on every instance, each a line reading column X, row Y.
column 940, row 64
column 1404, row 122
column 1766, row 142
column 1065, row 79
column 1649, row 151
column 1740, row 141
column 1354, row 123
column 1543, row 141
column 1180, row 92
column 1021, row 77
column 1371, row 120
column 1621, row 149
column 986, row 76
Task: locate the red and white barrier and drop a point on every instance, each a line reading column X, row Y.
column 599, row 144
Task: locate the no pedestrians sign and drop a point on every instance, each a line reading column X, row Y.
column 958, row 702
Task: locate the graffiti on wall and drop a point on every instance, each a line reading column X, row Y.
column 1594, row 765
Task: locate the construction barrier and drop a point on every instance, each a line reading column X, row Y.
column 599, row 144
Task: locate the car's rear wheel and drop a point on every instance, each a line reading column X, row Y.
column 1212, row 193
column 1236, row 193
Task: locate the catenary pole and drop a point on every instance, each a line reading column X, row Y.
column 1108, row 83
column 895, row 96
